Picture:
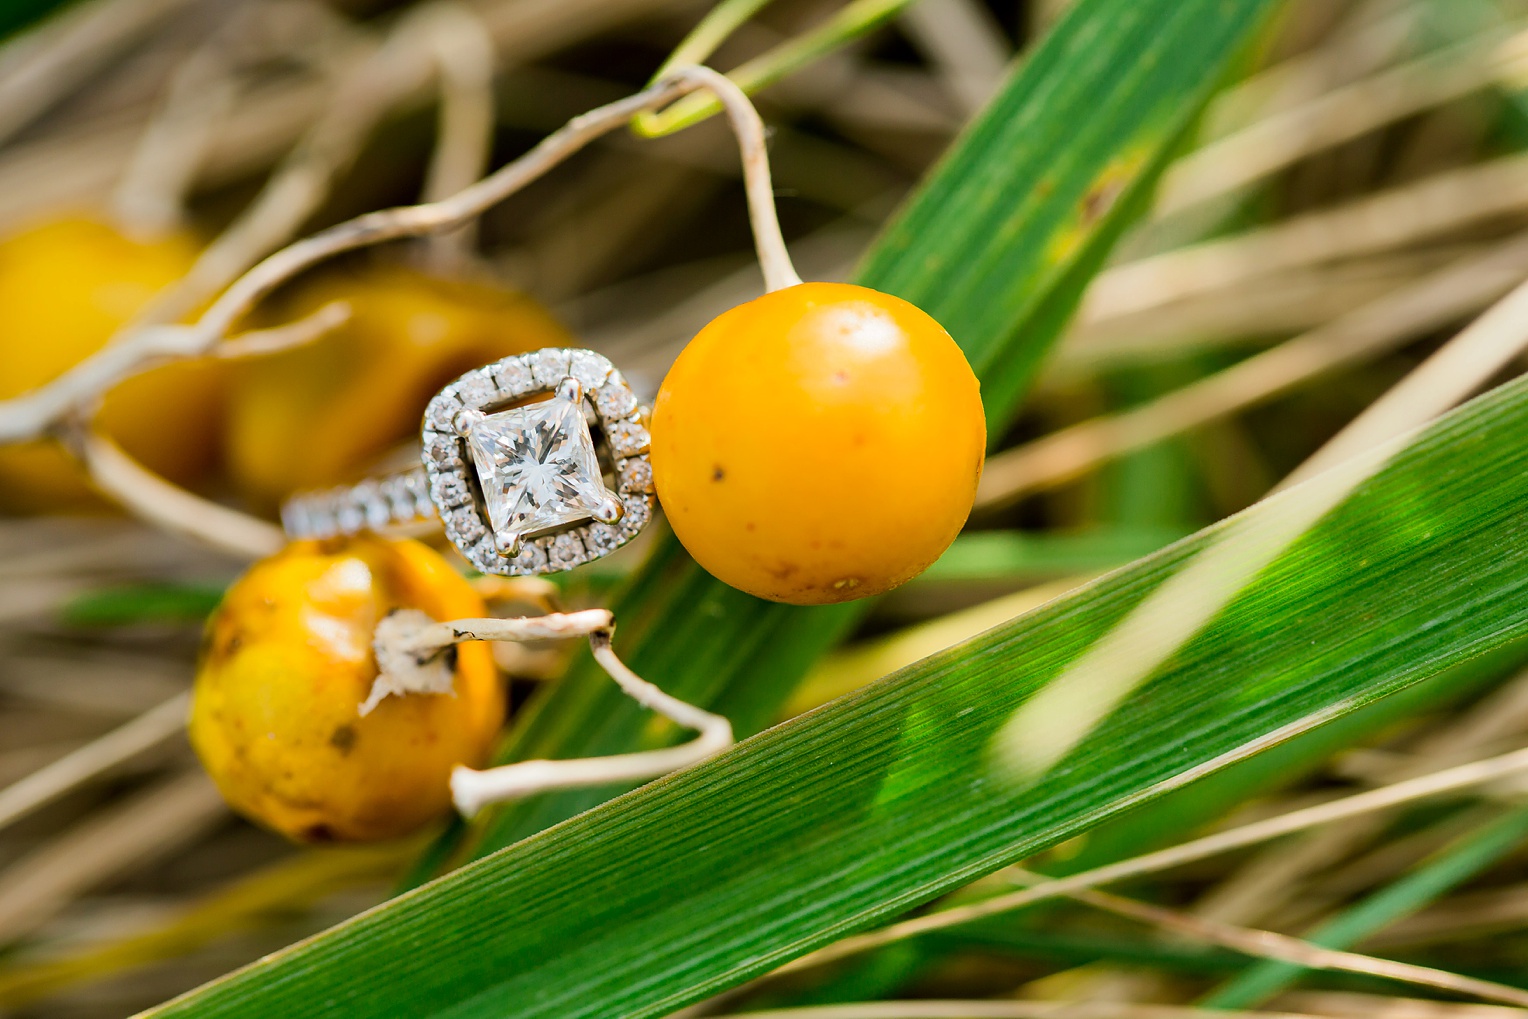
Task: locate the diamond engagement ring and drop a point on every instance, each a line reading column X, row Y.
column 512, row 468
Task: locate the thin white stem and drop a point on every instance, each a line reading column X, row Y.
column 715, row 731
column 473, row 790
column 774, row 259
column 409, row 653
column 171, row 507
column 30, row 415
column 427, row 640
column 418, row 220
column 464, row 56
column 260, row 342
column 1449, row 780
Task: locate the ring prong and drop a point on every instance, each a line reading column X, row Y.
column 570, row 389
column 610, row 511
column 466, row 420
column 508, row 544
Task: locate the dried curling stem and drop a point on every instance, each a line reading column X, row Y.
column 409, row 650
column 32, row 414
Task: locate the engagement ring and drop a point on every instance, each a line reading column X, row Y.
column 534, row 464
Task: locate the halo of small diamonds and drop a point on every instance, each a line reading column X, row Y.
column 453, row 486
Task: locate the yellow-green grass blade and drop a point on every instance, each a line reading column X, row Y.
column 883, row 800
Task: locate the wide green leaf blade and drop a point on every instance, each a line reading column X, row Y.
column 997, row 245
column 882, row 800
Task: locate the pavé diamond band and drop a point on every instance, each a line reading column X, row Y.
column 512, row 468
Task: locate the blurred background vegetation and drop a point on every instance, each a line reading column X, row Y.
column 1362, row 151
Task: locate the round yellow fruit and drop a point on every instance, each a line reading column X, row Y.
column 318, row 415
column 288, row 661
column 65, row 287
column 818, row 444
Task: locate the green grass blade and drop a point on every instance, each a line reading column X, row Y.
column 997, row 245
column 883, row 800
column 141, row 603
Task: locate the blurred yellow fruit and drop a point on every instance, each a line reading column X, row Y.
column 317, row 415
column 288, row 661
column 65, row 287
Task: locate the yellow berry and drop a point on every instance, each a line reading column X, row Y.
column 288, row 661
column 65, row 287
column 818, row 444
column 317, row 415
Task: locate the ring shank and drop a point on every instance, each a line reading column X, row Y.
column 372, row 505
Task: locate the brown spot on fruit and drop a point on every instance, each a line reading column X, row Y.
column 343, row 739
column 227, row 645
column 717, row 474
column 318, row 833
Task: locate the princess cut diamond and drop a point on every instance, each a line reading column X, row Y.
column 538, row 467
